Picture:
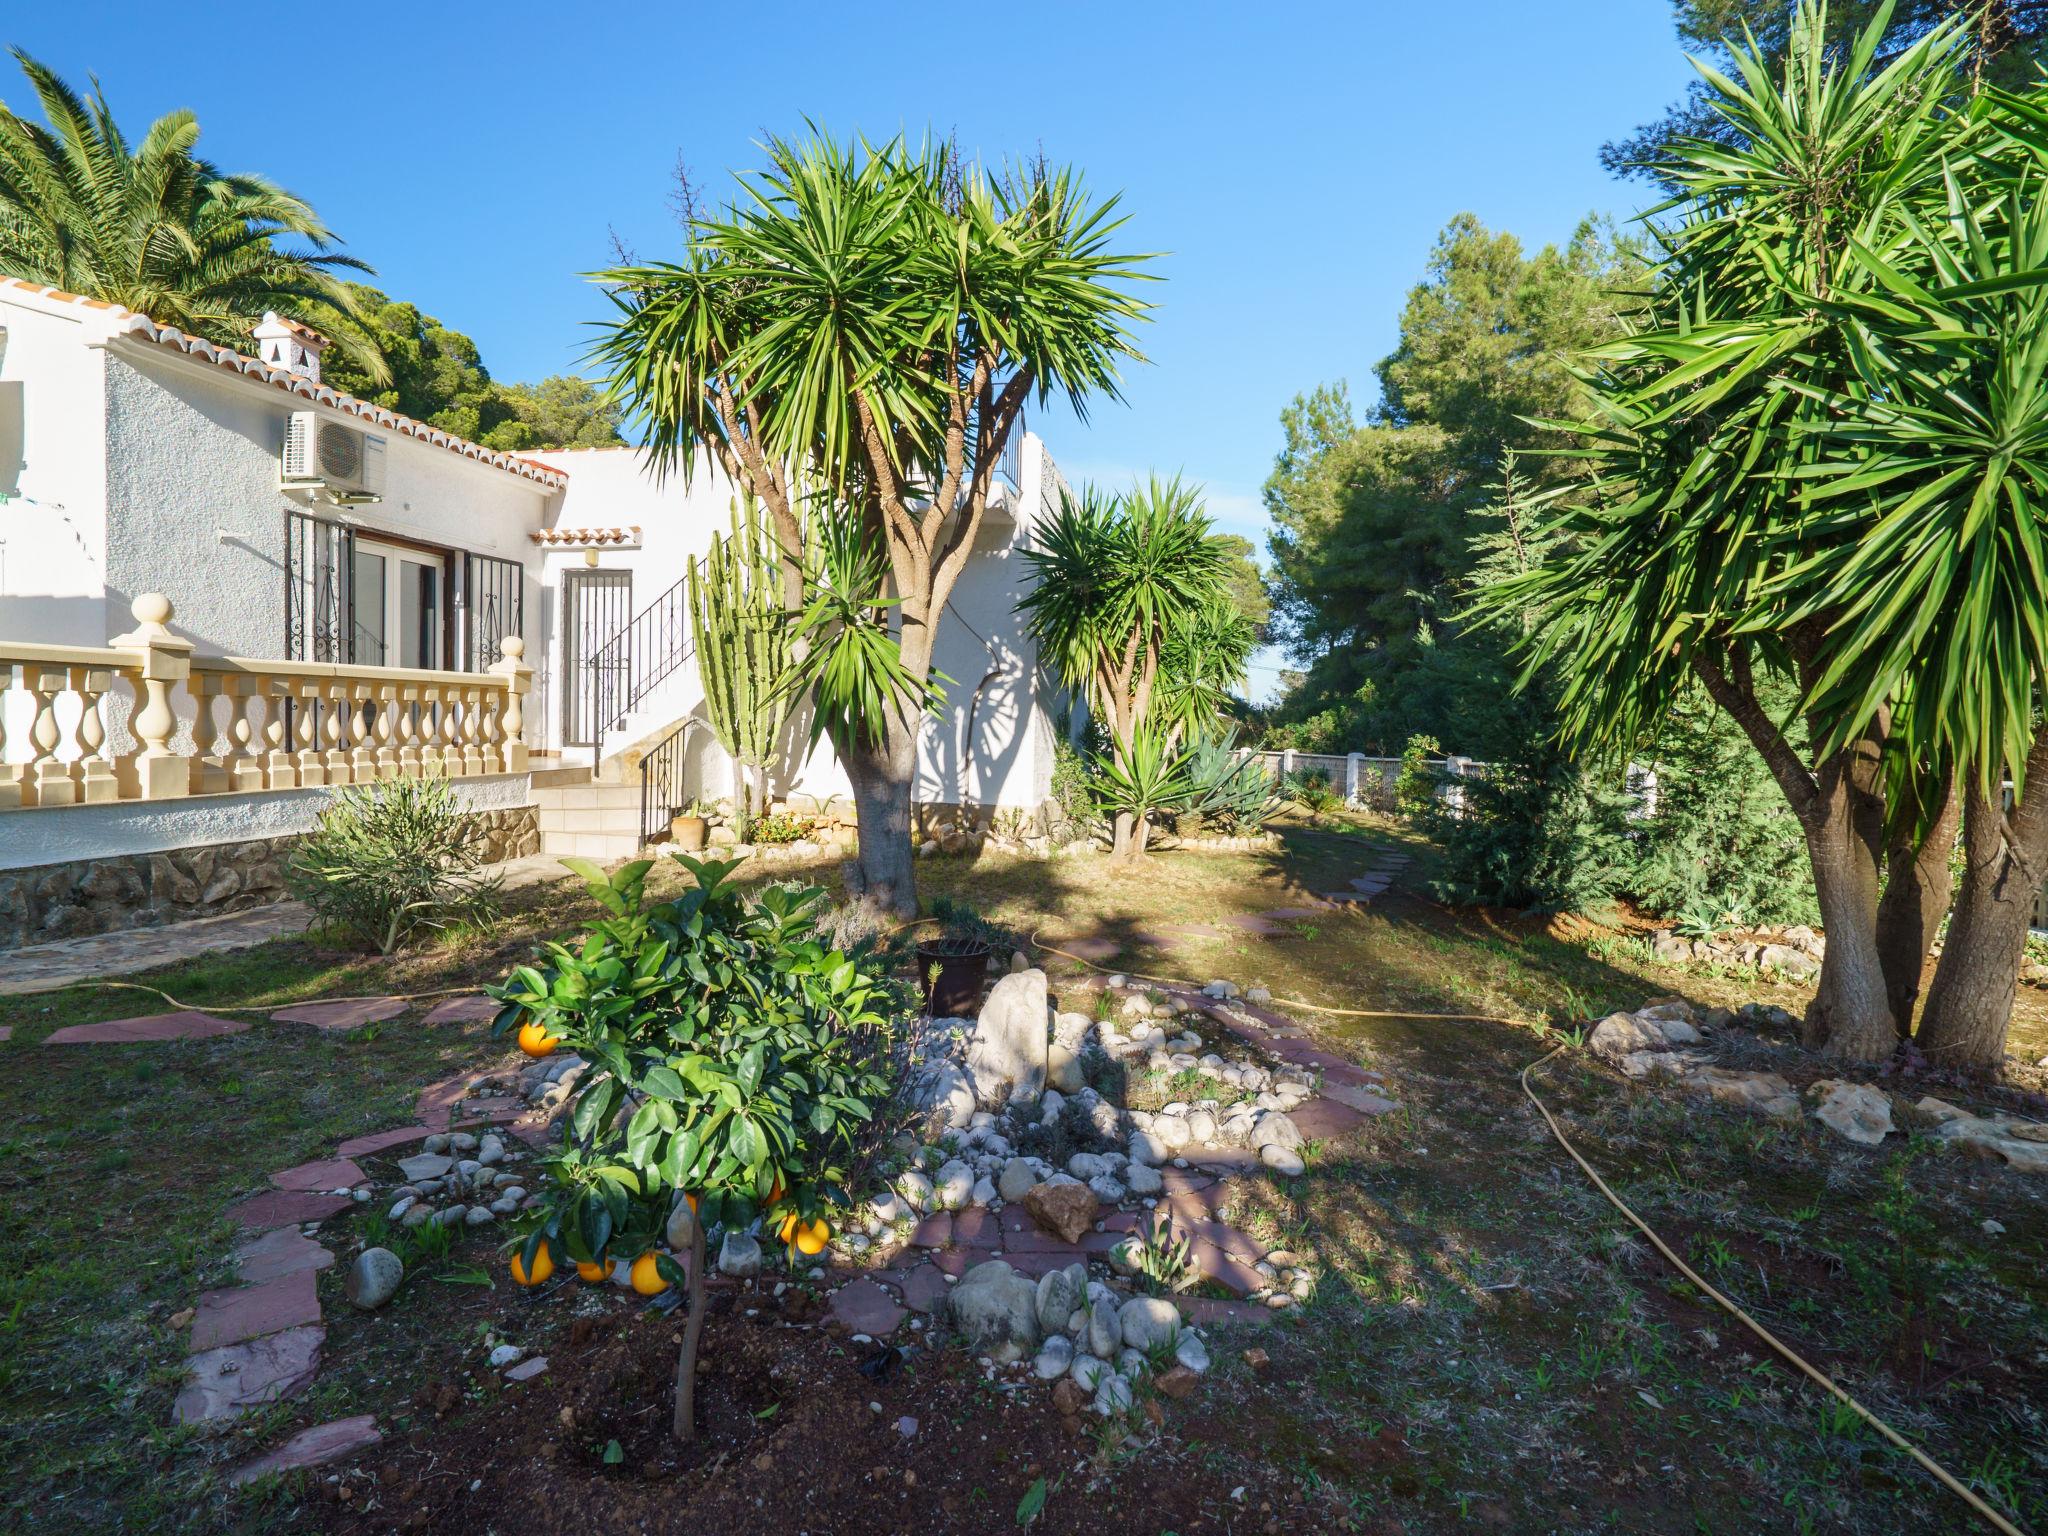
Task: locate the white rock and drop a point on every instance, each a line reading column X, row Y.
column 1143, row 1180
column 739, row 1256
column 1147, row 1321
column 1191, row 1352
column 1112, row 1394
column 1282, row 1160
column 915, row 1189
column 1055, row 1358
column 506, row 1354
column 984, row 1192
column 954, row 1186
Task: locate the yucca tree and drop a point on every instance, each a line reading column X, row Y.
column 1127, row 604
column 856, row 341
column 159, row 230
column 1698, row 561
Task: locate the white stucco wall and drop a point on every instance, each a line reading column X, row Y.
column 61, row 833
column 193, row 451
column 1002, row 755
column 53, row 524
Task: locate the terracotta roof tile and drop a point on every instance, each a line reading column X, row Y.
column 141, row 326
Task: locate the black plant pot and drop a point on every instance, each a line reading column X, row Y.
column 951, row 972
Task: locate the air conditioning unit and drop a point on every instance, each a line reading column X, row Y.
column 325, row 455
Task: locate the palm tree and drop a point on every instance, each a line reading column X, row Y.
column 158, row 230
column 1130, row 603
column 855, row 344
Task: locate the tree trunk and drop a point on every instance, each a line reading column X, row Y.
column 1970, row 1002
column 684, row 1425
column 1120, row 836
column 884, row 775
column 1918, row 888
column 1849, row 1016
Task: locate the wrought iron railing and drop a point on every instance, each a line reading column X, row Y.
column 662, row 794
column 646, row 650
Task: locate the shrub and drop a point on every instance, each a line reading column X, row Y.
column 1311, row 789
column 783, row 828
column 393, row 859
column 1538, row 834
column 1416, row 784
column 1225, row 793
column 731, row 1055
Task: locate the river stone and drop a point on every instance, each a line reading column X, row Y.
column 1087, row 1371
column 1142, row 1180
column 373, row 1278
column 1274, row 1128
column 996, row 1310
column 1284, row 1161
column 1191, row 1352
column 1170, row 1131
column 1018, row 1179
column 1060, row 1291
column 1055, row 1358
column 739, row 1256
column 1112, row 1394
column 1146, row 1147
column 953, row 1187
column 1149, row 1321
column 1105, row 1327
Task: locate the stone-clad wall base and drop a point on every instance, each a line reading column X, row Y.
column 144, row 890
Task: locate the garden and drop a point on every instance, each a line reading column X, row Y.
column 1637, row 1121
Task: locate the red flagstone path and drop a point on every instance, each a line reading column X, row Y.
column 382, row 1141
column 184, row 1025
column 243, row 1312
column 344, row 1015
column 6, row 1031
column 473, row 1009
column 336, row 1173
column 287, row 1208
column 282, row 1252
column 313, row 1447
column 224, row 1383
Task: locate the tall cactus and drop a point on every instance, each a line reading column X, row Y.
column 744, row 642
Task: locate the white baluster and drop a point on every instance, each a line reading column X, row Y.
column 282, row 768
column 10, row 773
column 334, row 711
column 54, row 784
column 97, row 782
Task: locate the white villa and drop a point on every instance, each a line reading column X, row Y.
column 355, row 594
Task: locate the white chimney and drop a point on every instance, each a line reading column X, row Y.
column 289, row 346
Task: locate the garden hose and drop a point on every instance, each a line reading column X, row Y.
column 267, row 1009
column 1990, row 1515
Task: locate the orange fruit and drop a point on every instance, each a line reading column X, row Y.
column 647, row 1279
column 788, row 1226
column 536, row 1041
column 543, row 1266
column 812, row 1237
column 593, row 1271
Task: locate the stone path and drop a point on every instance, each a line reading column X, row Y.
column 66, row 962
column 183, row 1025
column 341, row 1017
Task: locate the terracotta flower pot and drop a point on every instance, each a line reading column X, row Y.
column 689, row 832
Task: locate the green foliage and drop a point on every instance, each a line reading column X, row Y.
column 1415, row 785
column 731, row 1055
column 1722, row 835
column 1375, row 522
column 161, row 231
column 782, row 828
column 393, row 860
column 1540, row 834
column 1224, row 792
column 745, row 651
column 961, row 922
column 1311, row 789
column 436, row 374
column 1149, row 776
column 2005, row 45
column 852, row 660
column 1070, row 788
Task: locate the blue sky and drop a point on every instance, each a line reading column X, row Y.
column 1295, row 161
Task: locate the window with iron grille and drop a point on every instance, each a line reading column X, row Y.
column 493, row 605
column 319, row 598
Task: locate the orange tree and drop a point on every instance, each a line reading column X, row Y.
column 736, row 1067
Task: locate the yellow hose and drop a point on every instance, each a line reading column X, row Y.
column 1978, row 1506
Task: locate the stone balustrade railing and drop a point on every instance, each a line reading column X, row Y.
column 202, row 725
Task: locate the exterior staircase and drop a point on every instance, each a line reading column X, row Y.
column 584, row 814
